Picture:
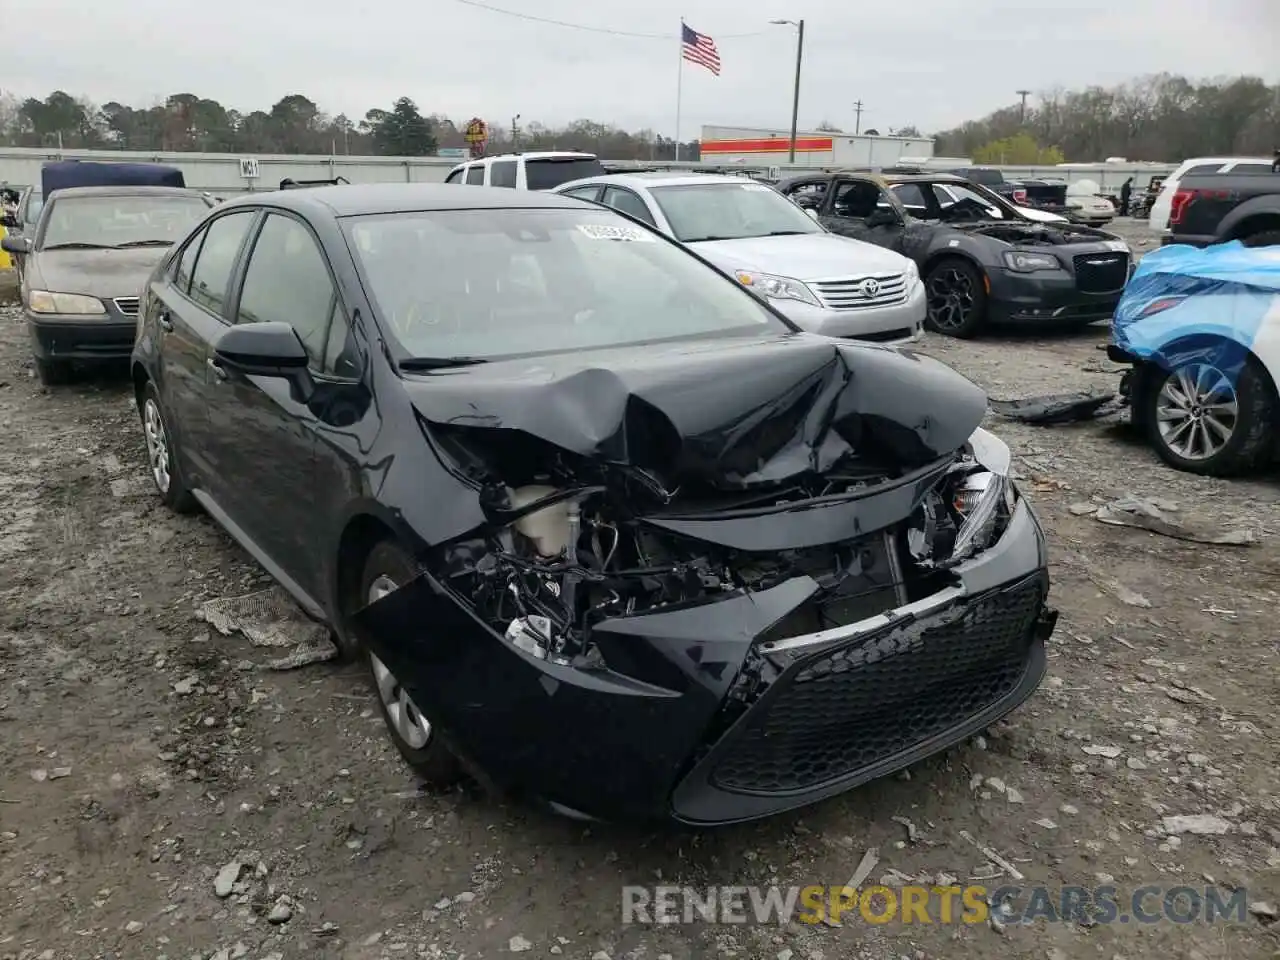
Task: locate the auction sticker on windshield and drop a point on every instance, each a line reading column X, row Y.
column 600, row 231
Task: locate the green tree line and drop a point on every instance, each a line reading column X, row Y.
column 295, row 124
column 1163, row 117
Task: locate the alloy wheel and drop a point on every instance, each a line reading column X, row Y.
column 951, row 298
column 1197, row 411
column 157, row 444
column 406, row 719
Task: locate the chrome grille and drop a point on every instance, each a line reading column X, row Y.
column 858, row 293
column 127, row 305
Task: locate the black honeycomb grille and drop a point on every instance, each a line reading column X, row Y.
column 849, row 708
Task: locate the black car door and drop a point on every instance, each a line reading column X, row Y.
column 263, row 429
column 186, row 312
column 860, row 208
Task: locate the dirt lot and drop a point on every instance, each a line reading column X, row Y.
column 141, row 754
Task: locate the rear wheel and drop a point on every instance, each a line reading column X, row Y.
column 162, row 458
column 957, row 299
column 1201, row 420
column 388, row 567
column 53, row 373
column 1267, row 238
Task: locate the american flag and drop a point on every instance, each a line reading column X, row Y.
column 700, row 49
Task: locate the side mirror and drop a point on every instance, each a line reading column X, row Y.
column 808, row 202
column 883, row 217
column 15, row 244
column 267, row 349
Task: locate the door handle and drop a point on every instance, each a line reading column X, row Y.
column 165, row 323
column 217, row 368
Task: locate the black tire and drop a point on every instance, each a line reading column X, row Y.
column 53, row 373
column 175, row 494
column 957, row 298
column 432, row 761
column 1267, row 238
column 1252, row 436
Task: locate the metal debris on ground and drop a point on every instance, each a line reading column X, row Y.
column 270, row 618
column 1144, row 514
column 991, row 855
column 1061, row 407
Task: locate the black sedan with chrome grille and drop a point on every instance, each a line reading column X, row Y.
column 607, row 529
column 86, row 262
column 982, row 259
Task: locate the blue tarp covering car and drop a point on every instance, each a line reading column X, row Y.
column 65, row 174
column 1201, row 327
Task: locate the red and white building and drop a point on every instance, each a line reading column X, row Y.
column 817, row 148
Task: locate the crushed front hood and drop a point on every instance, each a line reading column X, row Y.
column 729, row 412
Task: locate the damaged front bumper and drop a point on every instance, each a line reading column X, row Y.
column 718, row 712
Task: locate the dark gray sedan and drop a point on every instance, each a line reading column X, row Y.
column 86, row 262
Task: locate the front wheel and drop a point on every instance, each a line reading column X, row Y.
column 1202, row 421
column 957, row 298
column 53, row 373
column 388, row 567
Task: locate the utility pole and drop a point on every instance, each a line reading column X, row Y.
column 515, row 132
column 795, row 95
column 1022, row 110
column 857, row 114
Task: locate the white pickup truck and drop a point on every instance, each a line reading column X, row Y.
column 539, row 170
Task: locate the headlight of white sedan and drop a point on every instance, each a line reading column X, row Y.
column 45, row 301
column 776, row 288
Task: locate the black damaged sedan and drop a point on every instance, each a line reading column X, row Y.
column 608, row 530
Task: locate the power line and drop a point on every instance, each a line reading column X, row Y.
column 589, row 29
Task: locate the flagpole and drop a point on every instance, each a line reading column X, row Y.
column 679, row 88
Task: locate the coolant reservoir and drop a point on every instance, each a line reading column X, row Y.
column 547, row 528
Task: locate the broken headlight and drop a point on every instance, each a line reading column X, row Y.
column 969, row 509
column 984, row 498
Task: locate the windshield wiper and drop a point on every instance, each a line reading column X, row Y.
column 78, row 246
column 145, row 243
column 789, row 233
column 707, row 239
column 418, row 364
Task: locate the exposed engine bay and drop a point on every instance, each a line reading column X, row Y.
column 576, row 542
column 1031, row 234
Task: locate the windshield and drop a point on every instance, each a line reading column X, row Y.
column 127, row 220
column 546, row 173
column 514, row 282
column 974, row 201
column 730, row 211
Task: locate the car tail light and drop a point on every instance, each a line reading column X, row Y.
column 1020, row 197
column 1178, row 205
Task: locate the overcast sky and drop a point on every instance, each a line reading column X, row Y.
column 932, row 63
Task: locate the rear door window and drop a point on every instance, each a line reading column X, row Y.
column 502, row 173
column 629, row 203
column 217, row 258
column 1251, row 168
column 546, row 173
column 475, row 175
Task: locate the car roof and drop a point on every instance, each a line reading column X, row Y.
column 657, row 178
column 126, row 191
column 889, row 178
column 359, row 199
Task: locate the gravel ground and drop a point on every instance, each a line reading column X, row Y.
column 142, row 755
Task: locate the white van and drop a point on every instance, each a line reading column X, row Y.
column 538, row 170
column 1161, row 209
